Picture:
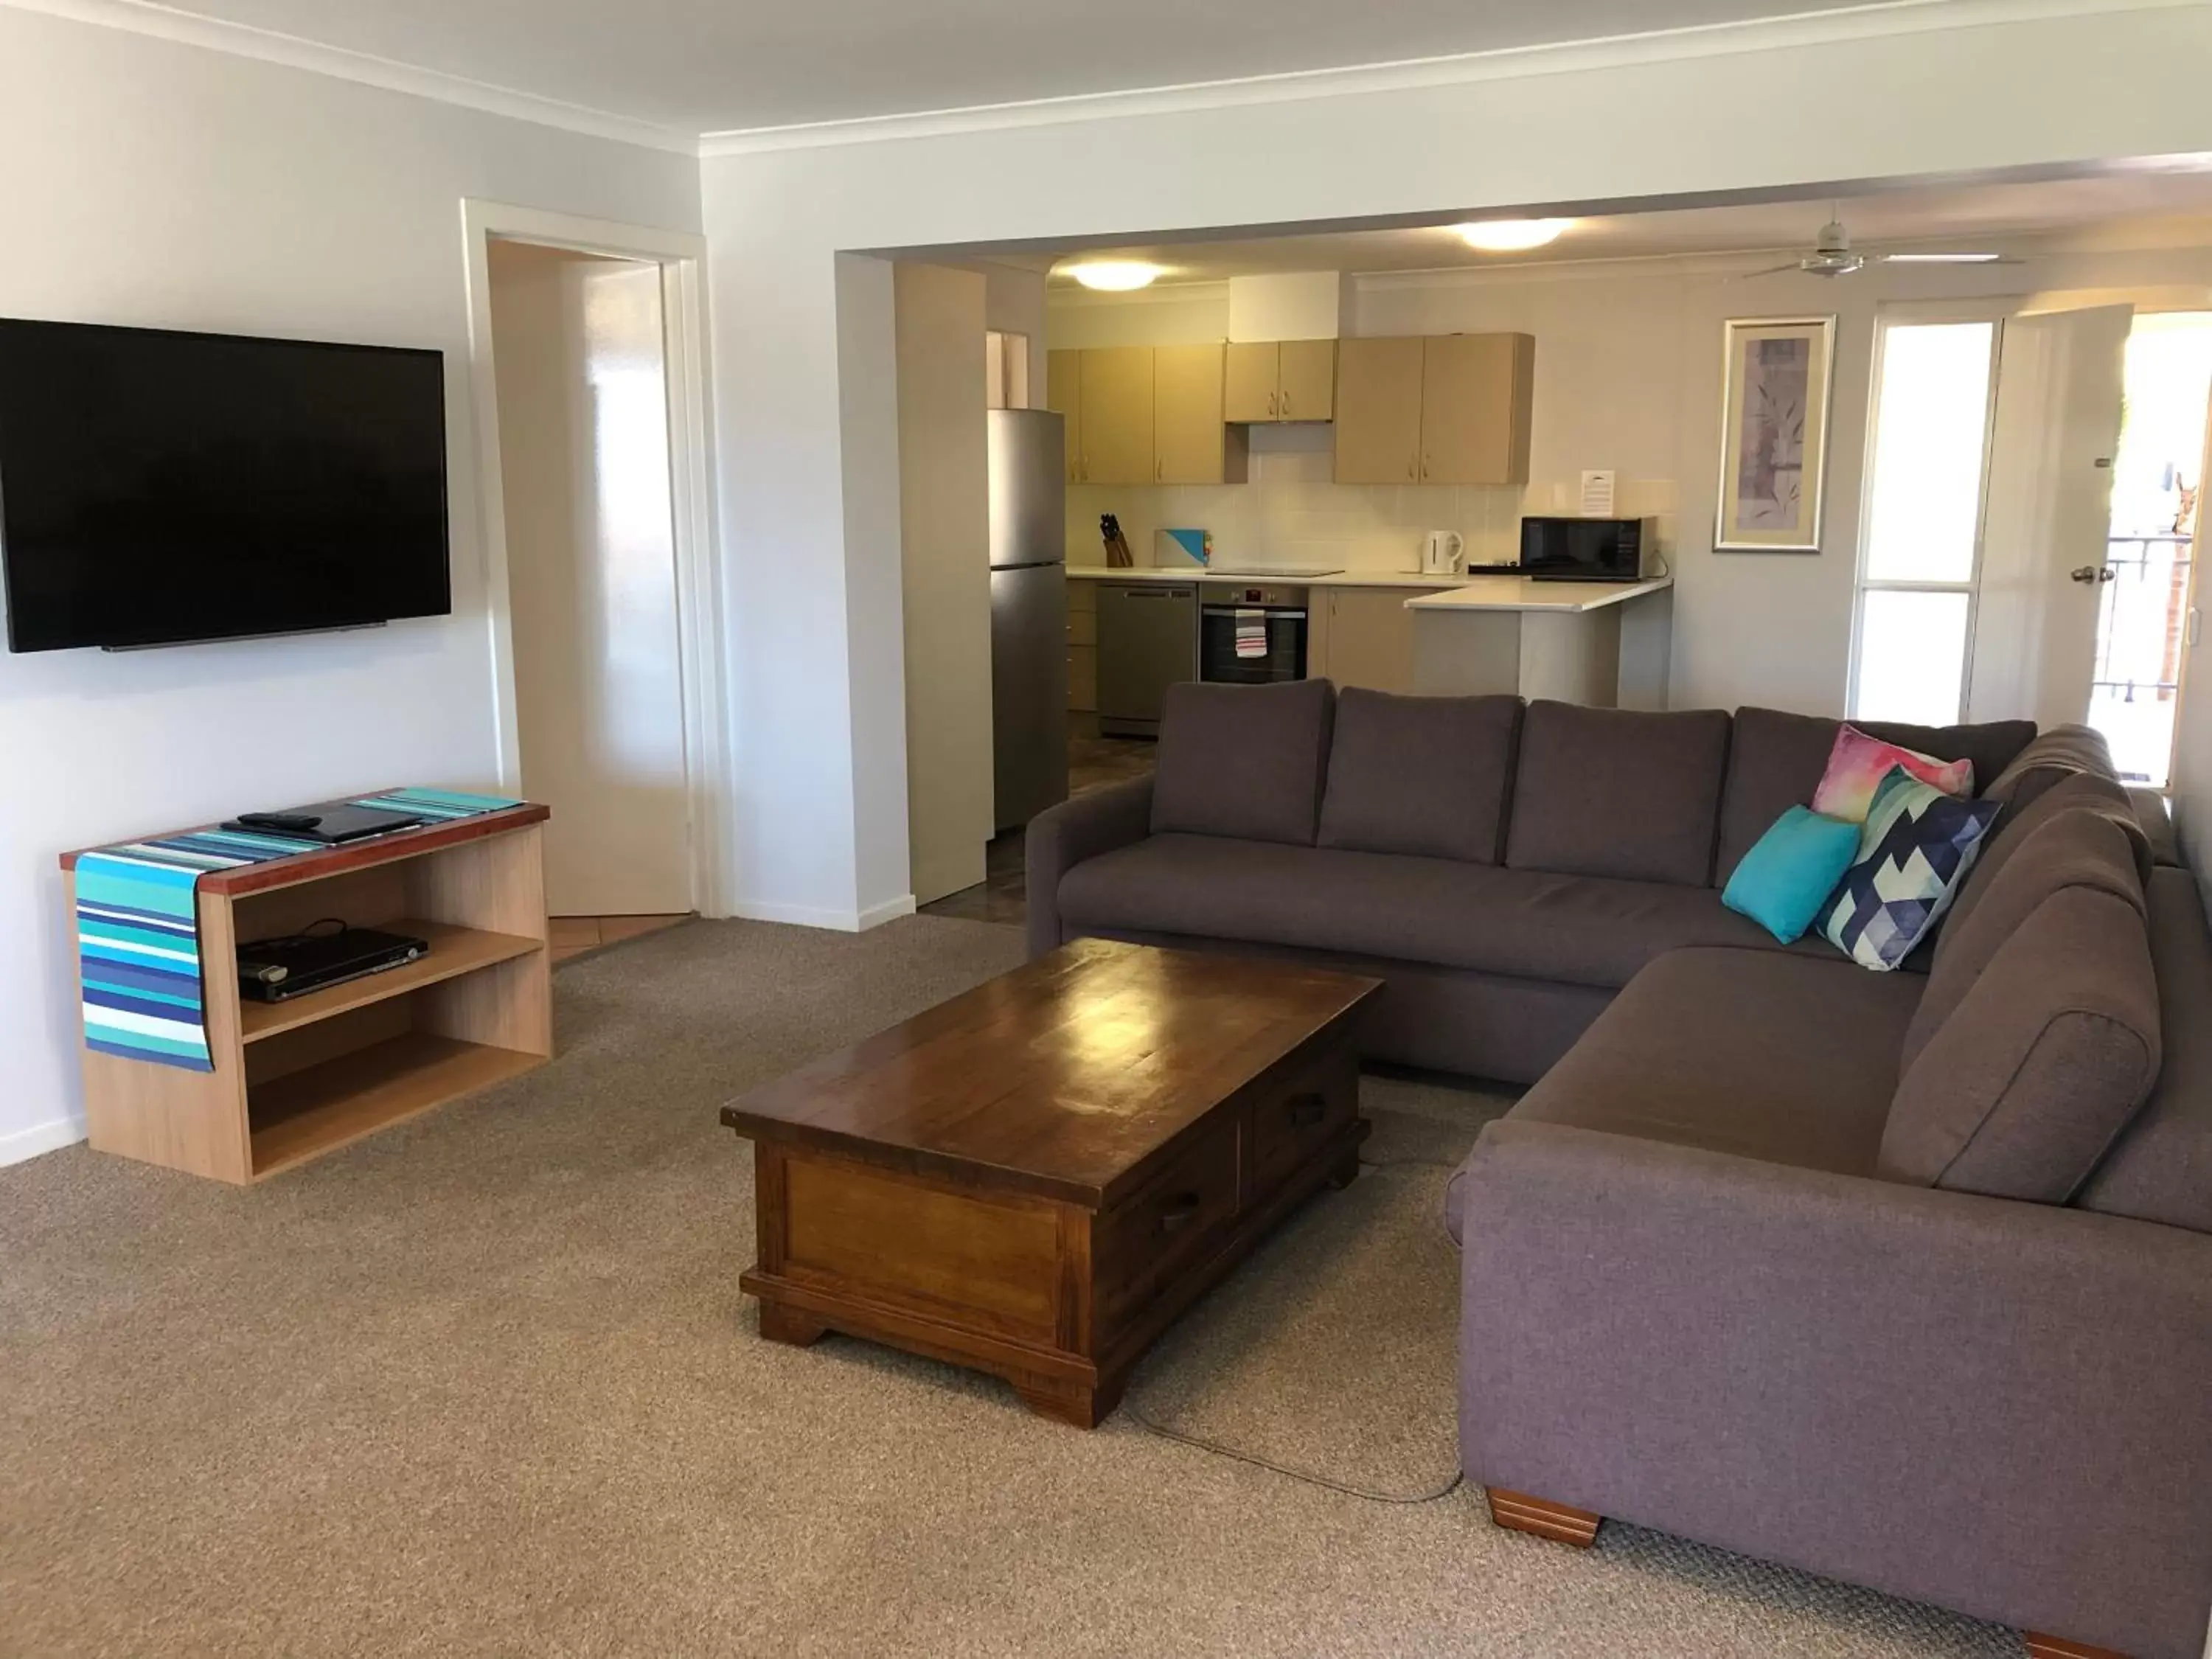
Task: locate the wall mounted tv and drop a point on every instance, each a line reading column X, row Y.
column 158, row 487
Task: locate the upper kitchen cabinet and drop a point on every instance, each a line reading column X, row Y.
column 1453, row 408
column 1063, row 395
column 1270, row 381
column 1115, row 400
column 1378, row 411
column 1190, row 443
column 1475, row 406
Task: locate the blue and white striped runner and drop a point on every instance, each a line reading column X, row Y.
column 138, row 926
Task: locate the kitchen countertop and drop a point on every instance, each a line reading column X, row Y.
column 1521, row 593
column 1278, row 578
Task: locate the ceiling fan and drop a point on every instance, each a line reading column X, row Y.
column 1832, row 255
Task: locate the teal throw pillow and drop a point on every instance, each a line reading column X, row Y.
column 1786, row 879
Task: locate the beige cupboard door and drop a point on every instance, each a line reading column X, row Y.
column 1116, row 401
column 1306, row 380
column 1250, row 392
column 1370, row 637
column 1063, row 395
column 1475, row 407
column 1187, row 424
column 1378, row 411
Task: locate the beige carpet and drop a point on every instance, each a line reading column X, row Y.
column 484, row 1384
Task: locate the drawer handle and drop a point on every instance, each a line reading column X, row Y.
column 1306, row 1110
column 1175, row 1213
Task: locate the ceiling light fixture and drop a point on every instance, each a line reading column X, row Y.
column 1115, row 275
column 1511, row 236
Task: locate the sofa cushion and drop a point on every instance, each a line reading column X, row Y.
column 1242, row 760
column 2071, row 849
column 2085, row 792
column 2063, row 751
column 1574, row 930
column 1783, row 880
column 2155, row 819
column 1615, row 792
column 2019, row 1092
column 1776, row 760
column 1426, row 775
column 1790, row 1060
column 2160, row 1167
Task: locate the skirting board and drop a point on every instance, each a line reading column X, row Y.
column 41, row 1138
column 841, row 922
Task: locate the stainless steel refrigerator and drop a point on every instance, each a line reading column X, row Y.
column 1029, row 613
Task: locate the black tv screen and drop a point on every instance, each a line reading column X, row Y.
column 159, row 487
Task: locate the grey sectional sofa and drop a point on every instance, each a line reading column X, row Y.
column 1904, row 1278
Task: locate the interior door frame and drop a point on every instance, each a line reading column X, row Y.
column 681, row 257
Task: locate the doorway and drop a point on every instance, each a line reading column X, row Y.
column 588, row 360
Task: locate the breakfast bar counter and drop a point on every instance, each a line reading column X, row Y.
column 1604, row 644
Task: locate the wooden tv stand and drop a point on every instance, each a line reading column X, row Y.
column 293, row 1080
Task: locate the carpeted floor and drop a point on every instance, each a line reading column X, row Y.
column 484, row 1384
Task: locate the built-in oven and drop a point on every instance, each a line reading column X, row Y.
column 1252, row 635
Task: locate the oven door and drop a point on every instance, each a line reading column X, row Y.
column 1251, row 645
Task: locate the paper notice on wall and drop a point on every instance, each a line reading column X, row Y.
column 1251, row 633
column 1597, row 494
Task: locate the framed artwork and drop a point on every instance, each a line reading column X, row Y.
column 1774, row 432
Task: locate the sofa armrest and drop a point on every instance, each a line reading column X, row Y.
column 2000, row 1407
column 1063, row 837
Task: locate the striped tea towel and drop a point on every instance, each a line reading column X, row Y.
column 137, row 926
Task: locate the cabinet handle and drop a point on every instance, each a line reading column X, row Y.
column 1271, row 403
column 1306, row 1110
column 1159, row 470
column 1175, row 1213
column 1424, row 467
column 1286, row 405
column 1409, row 469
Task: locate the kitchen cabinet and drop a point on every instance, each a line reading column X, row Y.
column 1378, row 411
column 1191, row 443
column 1475, row 408
column 1363, row 636
column 1276, row 380
column 1115, row 399
column 1451, row 409
column 1083, row 647
column 1063, row 395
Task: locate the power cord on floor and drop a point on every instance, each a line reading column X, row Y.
column 1201, row 1444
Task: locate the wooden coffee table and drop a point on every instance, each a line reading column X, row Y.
column 1035, row 1178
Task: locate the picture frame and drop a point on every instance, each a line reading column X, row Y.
column 1776, row 374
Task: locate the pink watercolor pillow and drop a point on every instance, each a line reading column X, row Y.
column 1857, row 765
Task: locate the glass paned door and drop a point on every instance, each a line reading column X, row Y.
column 1919, row 557
column 2149, row 561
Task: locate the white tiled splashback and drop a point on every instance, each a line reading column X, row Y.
column 1289, row 513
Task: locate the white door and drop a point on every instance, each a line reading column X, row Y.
column 2048, row 514
column 578, row 351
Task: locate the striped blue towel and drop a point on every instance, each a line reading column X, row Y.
column 137, row 926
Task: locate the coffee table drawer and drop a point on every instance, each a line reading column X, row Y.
column 1137, row 1246
column 1293, row 1125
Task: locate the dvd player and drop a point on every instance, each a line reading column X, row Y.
column 278, row 970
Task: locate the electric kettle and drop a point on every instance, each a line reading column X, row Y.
column 1444, row 553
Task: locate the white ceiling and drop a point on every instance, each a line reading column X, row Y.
column 2149, row 210
column 717, row 65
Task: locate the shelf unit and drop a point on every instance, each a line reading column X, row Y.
column 293, row 1080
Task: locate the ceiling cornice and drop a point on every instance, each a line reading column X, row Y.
column 268, row 46
column 1859, row 22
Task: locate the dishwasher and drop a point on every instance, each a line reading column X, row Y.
column 1147, row 641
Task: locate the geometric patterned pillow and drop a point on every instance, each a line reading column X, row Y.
column 1914, row 853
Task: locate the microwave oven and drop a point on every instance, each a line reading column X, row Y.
column 1582, row 550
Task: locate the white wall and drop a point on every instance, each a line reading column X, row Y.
column 944, row 534
column 152, row 183
column 1607, row 126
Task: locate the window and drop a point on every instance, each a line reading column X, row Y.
column 1922, row 521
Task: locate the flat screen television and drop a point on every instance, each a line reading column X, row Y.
column 159, row 487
